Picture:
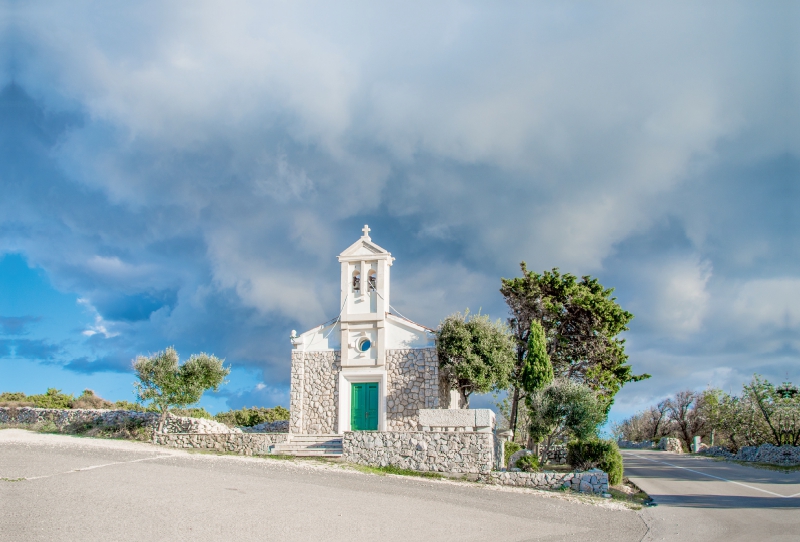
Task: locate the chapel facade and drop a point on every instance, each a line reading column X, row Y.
column 368, row 369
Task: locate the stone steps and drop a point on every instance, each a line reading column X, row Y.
column 310, row 446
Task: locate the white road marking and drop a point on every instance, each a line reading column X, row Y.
column 96, row 467
column 717, row 477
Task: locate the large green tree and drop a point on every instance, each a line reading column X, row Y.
column 167, row 383
column 581, row 322
column 475, row 354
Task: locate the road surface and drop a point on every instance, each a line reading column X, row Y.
column 92, row 489
column 704, row 499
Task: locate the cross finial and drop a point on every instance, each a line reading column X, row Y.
column 366, row 231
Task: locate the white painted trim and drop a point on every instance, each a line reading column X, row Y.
column 346, row 378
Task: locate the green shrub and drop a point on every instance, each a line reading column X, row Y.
column 89, row 400
column 528, row 463
column 14, row 399
column 53, row 398
column 127, row 405
column 510, row 449
column 192, row 413
column 248, row 417
column 596, row 453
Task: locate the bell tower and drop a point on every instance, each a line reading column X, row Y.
column 365, row 302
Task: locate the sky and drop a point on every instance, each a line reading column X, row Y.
column 186, row 174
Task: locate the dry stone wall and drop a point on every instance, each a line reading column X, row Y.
column 64, row 417
column 413, row 383
column 766, row 453
column 239, row 443
column 281, row 426
column 426, row 451
column 591, row 481
column 644, row 445
column 314, row 392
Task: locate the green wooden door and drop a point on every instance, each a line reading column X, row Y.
column 364, row 406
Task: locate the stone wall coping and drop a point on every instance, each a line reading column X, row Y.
column 482, row 418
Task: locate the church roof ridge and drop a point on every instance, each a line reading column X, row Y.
column 365, row 242
column 398, row 317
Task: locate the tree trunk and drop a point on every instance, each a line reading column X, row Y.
column 161, row 421
column 514, row 410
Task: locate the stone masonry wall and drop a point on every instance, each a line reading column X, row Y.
column 592, row 481
column 670, row 445
column 413, row 383
column 766, row 453
column 421, row 451
column 644, row 445
column 240, row 443
column 314, row 396
column 63, row 417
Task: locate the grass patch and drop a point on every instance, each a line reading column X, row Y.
column 389, row 469
column 629, row 493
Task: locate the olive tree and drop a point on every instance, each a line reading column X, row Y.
column 167, row 383
column 475, row 354
column 564, row 409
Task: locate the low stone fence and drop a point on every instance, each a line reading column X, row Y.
column 766, row 453
column 61, row 418
column 435, row 451
column 644, row 445
column 591, row 481
column 64, row 417
column 174, row 424
column 240, row 443
column 268, row 427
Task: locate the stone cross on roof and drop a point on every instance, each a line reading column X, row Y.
column 366, row 231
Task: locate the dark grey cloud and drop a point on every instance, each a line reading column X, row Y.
column 193, row 179
column 87, row 365
column 35, row 349
column 16, row 325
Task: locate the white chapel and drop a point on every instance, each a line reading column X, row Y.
column 369, row 368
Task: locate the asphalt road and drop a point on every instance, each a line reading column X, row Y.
column 704, row 499
column 92, row 489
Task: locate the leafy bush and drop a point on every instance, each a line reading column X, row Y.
column 596, row 453
column 528, row 463
column 248, row 417
column 14, row 399
column 131, row 429
column 192, row 413
column 127, row 405
column 89, row 400
column 53, row 398
column 510, row 449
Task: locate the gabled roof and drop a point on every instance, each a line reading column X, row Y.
column 406, row 321
column 365, row 247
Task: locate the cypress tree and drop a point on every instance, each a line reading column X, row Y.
column 537, row 371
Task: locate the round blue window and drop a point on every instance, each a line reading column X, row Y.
column 364, row 344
